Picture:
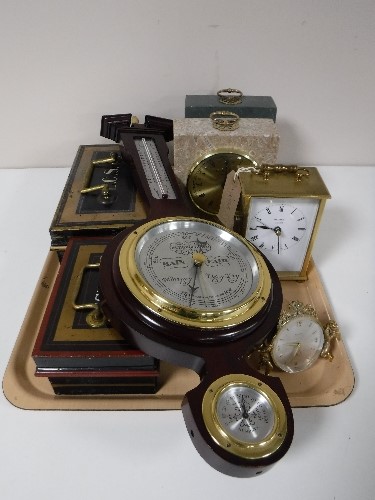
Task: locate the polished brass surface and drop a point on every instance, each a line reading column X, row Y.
column 207, row 176
column 225, row 120
column 111, row 159
column 230, row 96
column 106, row 195
column 92, row 189
column 292, row 182
column 331, row 333
column 95, row 318
column 266, row 170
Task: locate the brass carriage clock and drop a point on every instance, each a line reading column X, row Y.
column 282, row 208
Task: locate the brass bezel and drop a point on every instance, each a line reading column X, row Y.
column 285, row 185
column 253, row 451
column 184, row 315
column 218, row 151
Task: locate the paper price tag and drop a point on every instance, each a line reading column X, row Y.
column 229, row 200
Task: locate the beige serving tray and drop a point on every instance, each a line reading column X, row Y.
column 325, row 384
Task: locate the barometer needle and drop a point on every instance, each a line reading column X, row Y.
column 198, row 260
column 192, row 287
column 245, row 413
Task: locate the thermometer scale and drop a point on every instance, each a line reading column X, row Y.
column 157, row 178
column 144, row 147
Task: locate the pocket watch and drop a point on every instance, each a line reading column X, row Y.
column 190, row 292
column 300, row 340
column 282, row 207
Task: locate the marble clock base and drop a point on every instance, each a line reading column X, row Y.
column 196, row 137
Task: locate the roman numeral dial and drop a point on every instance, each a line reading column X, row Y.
column 281, row 229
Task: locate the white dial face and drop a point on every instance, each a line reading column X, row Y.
column 298, row 344
column 281, row 228
column 197, row 265
column 245, row 414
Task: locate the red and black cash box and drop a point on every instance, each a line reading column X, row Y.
column 76, row 348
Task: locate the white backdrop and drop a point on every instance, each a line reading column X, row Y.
column 65, row 63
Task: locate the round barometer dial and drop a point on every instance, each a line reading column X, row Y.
column 244, row 416
column 194, row 272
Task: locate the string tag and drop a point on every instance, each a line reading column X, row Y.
column 229, row 200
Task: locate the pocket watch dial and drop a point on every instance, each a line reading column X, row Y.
column 282, row 229
column 298, row 344
column 194, row 269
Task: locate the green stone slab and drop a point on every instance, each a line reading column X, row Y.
column 201, row 106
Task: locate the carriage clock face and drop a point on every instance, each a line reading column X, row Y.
column 207, row 178
column 282, row 229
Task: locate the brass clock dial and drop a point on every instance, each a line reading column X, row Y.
column 207, row 177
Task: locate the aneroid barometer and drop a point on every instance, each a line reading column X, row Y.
column 193, row 293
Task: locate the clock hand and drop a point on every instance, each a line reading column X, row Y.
column 204, row 289
column 260, row 227
column 192, row 287
column 276, row 229
column 295, row 350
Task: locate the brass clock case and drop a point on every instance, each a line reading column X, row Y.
column 282, row 188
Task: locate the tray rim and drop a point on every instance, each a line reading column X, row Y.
column 27, row 392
